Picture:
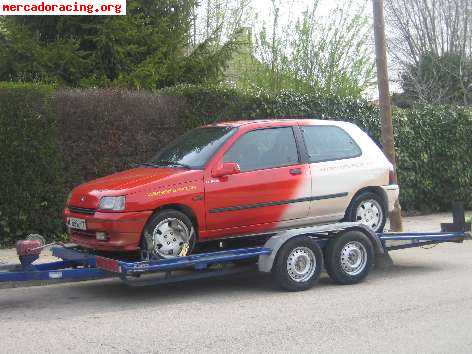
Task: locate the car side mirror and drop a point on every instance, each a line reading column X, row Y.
column 226, row 169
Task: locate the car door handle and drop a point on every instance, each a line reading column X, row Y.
column 295, row 171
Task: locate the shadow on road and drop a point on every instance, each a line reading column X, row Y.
column 113, row 295
column 402, row 270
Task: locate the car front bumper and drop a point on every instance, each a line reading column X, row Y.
column 392, row 192
column 123, row 230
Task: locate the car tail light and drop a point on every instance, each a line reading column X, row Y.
column 391, row 177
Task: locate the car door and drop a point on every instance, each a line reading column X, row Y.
column 336, row 170
column 272, row 185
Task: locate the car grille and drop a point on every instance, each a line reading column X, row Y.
column 78, row 210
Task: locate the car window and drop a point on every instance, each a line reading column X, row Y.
column 264, row 148
column 327, row 143
column 194, row 148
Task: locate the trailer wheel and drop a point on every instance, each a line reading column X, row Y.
column 349, row 257
column 298, row 264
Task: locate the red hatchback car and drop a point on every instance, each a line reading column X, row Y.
column 235, row 179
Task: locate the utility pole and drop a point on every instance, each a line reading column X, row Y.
column 384, row 101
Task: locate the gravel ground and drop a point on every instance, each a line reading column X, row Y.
column 422, row 304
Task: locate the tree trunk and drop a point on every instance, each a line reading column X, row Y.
column 384, row 101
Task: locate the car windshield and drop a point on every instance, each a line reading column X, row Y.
column 193, row 149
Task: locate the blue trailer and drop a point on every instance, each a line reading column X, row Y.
column 294, row 257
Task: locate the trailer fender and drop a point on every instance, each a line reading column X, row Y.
column 323, row 233
column 274, row 243
column 379, row 248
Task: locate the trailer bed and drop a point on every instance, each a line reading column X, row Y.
column 78, row 264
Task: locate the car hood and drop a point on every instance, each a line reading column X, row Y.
column 88, row 195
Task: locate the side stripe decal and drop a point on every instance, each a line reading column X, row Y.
column 276, row 203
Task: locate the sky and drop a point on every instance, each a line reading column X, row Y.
column 293, row 8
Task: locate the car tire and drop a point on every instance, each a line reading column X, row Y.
column 284, row 271
column 349, row 257
column 370, row 209
column 168, row 233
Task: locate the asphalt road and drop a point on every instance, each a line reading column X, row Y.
column 422, row 304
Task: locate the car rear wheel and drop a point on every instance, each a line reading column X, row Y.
column 369, row 209
column 168, row 234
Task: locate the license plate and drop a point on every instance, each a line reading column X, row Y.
column 76, row 223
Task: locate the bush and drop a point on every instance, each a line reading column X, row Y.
column 31, row 188
column 216, row 103
column 54, row 140
column 434, row 145
column 105, row 131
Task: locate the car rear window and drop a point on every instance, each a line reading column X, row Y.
column 329, row 143
column 263, row 149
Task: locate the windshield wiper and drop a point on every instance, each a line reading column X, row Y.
column 172, row 163
column 145, row 164
column 164, row 163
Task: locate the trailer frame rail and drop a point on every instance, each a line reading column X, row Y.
column 78, row 264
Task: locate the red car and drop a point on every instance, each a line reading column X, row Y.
column 235, row 179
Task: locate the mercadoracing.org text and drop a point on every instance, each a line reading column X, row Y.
column 62, row 7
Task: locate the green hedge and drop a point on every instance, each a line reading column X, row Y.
column 209, row 104
column 434, row 147
column 104, row 131
column 54, row 140
column 31, row 184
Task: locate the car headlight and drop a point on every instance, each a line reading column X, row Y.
column 112, row 203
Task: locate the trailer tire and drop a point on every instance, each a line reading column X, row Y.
column 298, row 264
column 349, row 257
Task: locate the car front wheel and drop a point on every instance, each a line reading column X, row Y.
column 168, row 234
column 369, row 209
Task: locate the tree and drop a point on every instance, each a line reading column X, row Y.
column 145, row 49
column 329, row 54
column 431, row 45
column 429, row 26
column 445, row 79
column 220, row 20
